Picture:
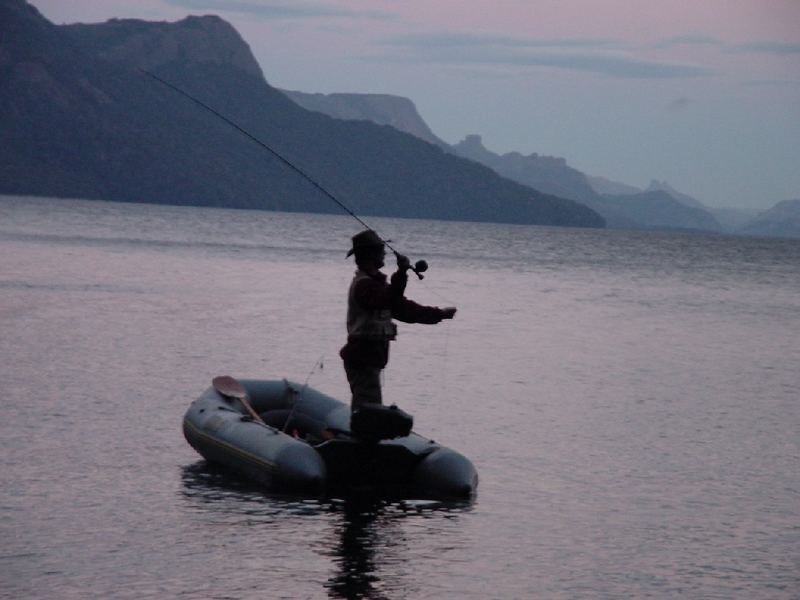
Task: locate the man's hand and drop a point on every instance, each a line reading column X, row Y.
column 403, row 263
column 449, row 312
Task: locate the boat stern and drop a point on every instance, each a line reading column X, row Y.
column 444, row 473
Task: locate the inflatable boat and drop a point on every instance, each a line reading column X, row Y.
column 289, row 437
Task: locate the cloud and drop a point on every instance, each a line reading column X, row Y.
column 778, row 83
column 678, row 105
column 588, row 55
column 767, row 47
column 690, row 39
column 460, row 40
column 758, row 47
column 621, row 67
column 280, row 10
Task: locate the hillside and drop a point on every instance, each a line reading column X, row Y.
column 782, row 220
column 657, row 209
column 78, row 118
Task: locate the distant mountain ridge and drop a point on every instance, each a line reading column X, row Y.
column 654, row 208
column 663, row 186
column 78, row 118
column 782, row 220
column 195, row 41
column 603, row 185
column 550, row 174
column 384, row 109
column 658, row 207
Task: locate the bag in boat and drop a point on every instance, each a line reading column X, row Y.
column 379, row 422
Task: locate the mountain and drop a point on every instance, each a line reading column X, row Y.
column 545, row 173
column 656, row 208
column 659, row 210
column 685, row 199
column 79, row 118
column 602, row 185
column 659, row 207
column 383, row 109
column 782, row 220
column 728, row 220
column 194, row 42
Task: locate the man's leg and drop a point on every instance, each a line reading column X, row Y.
column 365, row 384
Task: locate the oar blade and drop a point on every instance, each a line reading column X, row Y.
column 228, row 386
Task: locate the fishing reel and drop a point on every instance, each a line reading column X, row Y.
column 419, row 268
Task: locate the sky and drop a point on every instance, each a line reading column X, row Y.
column 702, row 94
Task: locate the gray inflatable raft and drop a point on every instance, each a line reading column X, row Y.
column 305, row 445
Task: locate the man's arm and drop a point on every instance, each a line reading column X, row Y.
column 409, row 311
column 373, row 294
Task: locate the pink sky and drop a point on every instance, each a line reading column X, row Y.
column 703, row 94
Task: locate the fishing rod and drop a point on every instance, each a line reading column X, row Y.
column 419, row 267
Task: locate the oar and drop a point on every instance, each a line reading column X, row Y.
column 230, row 388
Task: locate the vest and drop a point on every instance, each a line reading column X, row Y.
column 375, row 324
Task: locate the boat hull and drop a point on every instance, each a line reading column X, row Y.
column 306, row 447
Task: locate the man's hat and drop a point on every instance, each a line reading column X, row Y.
column 365, row 239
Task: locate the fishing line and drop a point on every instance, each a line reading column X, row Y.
column 446, row 363
column 320, row 363
column 299, row 394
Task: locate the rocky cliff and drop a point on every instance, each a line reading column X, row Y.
column 195, row 41
column 383, row 109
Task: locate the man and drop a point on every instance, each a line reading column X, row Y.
column 372, row 303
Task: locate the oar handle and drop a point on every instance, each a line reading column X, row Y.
column 252, row 412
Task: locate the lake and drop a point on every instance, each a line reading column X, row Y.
column 631, row 401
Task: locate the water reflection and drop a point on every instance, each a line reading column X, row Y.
column 370, row 549
column 359, row 535
column 209, row 487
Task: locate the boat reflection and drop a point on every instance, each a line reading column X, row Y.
column 358, row 534
column 371, row 552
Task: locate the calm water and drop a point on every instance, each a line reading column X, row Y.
column 631, row 401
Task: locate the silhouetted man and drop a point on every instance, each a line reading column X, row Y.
column 372, row 303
